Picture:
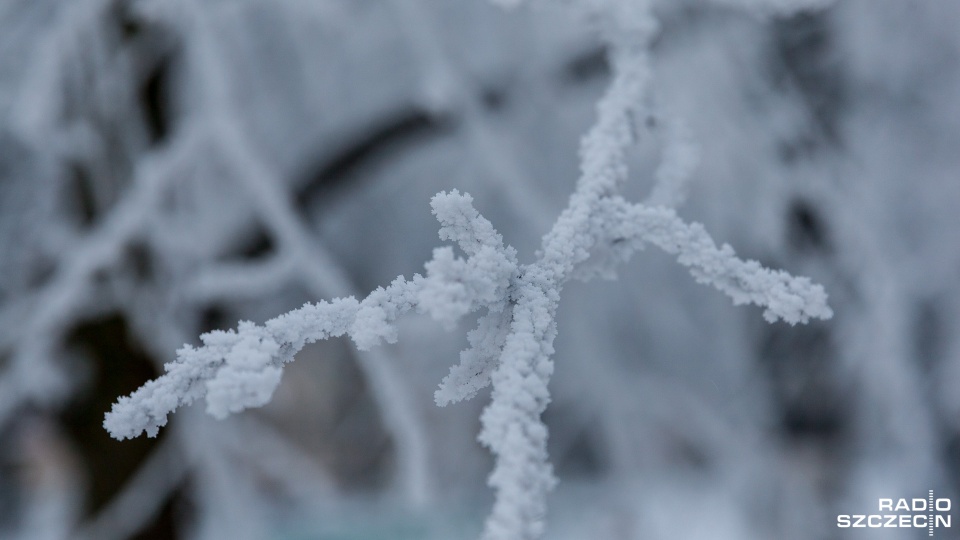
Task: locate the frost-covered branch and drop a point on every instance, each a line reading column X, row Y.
column 792, row 299
column 239, row 369
column 512, row 347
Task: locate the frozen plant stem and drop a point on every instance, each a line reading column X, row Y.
column 512, row 347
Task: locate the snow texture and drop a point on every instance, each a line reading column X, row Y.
column 512, row 347
column 172, row 166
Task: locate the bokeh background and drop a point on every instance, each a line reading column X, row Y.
column 168, row 167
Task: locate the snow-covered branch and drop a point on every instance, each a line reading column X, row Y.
column 512, row 347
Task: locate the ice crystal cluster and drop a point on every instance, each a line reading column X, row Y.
column 171, row 167
column 512, row 347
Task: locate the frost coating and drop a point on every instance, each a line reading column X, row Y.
column 235, row 370
column 512, row 347
column 477, row 363
column 792, row 299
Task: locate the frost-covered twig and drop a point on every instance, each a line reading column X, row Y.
column 235, row 370
column 312, row 263
column 513, row 344
column 792, row 299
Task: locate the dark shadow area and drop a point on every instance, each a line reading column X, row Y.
column 588, row 66
column 575, row 450
column 118, row 366
column 79, row 194
column 176, row 509
column 154, row 97
column 393, row 135
column 141, row 260
column 804, row 61
column 806, row 231
column 330, row 410
column 256, row 245
column 800, row 362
